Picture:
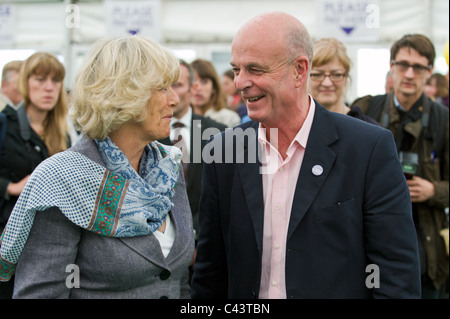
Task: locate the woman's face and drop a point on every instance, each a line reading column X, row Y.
column 44, row 91
column 431, row 89
column 328, row 92
column 202, row 90
column 228, row 86
column 159, row 114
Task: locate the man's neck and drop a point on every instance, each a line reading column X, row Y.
column 180, row 115
column 289, row 128
column 185, row 117
column 407, row 101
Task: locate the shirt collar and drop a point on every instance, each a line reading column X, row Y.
column 302, row 135
column 185, row 119
column 397, row 104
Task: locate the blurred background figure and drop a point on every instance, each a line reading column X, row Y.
column 420, row 127
column 208, row 98
column 330, row 75
column 389, row 84
column 10, row 94
column 37, row 130
column 446, row 59
column 234, row 99
column 436, row 88
column 191, row 127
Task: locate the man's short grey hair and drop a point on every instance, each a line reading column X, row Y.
column 300, row 43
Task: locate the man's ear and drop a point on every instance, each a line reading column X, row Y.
column 301, row 65
column 430, row 73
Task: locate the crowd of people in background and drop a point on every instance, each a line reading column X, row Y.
column 132, row 120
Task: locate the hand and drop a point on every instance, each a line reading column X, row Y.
column 420, row 189
column 14, row 189
column 193, row 258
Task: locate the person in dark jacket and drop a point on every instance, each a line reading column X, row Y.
column 300, row 202
column 420, row 128
column 191, row 137
column 37, row 130
column 193, row 131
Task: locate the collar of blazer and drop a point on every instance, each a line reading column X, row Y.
column 323, row 133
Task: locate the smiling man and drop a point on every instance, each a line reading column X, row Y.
column 420, row 129
column 333, row 203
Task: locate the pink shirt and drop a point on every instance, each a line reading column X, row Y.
column 279, row 182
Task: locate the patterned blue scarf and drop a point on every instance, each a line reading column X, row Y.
column 111, row 201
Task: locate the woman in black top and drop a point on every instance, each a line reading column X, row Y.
column 37, row 130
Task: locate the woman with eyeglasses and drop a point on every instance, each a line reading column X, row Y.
column 329, row 77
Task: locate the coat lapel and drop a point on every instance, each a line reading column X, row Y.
column 148, row 247
column 318, row 155
column 250, row 177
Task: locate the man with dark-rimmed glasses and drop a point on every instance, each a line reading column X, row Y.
column 420, row 128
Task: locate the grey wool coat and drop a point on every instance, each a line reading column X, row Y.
column 108, row 267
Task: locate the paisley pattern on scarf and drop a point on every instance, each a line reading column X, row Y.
column 110, row 201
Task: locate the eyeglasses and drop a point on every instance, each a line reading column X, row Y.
column 334, row 76
column 404, row 66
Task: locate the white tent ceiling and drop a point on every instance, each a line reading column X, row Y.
column 206, row 26
column 42, row 23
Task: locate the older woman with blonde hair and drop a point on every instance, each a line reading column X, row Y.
column 116, row 202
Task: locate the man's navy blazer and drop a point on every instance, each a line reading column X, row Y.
column 350, row 226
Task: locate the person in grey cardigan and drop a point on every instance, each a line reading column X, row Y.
column 109, row 217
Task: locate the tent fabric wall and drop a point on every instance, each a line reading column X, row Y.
column 208, row 26
column 42, row 23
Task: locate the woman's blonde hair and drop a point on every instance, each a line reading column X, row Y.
column 115, row 82
column 326, row 49
column 55, row 124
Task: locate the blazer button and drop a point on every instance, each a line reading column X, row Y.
column 164, row 275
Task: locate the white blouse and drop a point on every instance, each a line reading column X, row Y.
column 167, row 237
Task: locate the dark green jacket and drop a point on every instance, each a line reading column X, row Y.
column 432, row 146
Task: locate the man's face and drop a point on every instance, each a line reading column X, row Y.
column 182, row 89
column 409, row 83
column 262, row 75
